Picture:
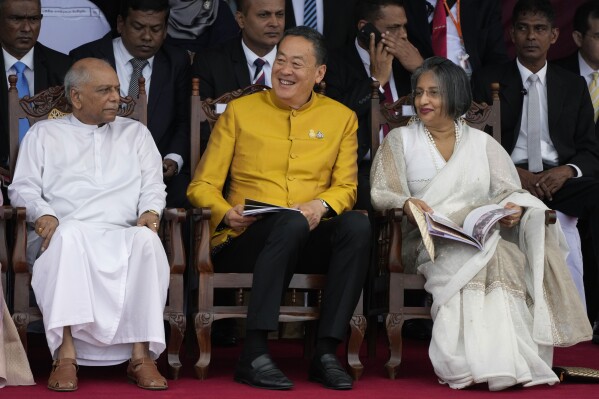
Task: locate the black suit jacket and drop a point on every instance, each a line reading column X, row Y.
column 170, row 89
column 347, row 82
column 339, row 27
column 571, row 64
column 50, row 67
column 222, row 69
column 481, row 28
column 570, row 112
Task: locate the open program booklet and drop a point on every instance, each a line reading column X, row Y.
column 253, row 207
column 475, row 231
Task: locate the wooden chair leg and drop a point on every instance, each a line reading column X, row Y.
column 203, row 324
column 177, row 323
column 358, row 329
column 394, row 323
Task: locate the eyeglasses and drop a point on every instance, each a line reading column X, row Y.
column 20, row 19
column 433, row 93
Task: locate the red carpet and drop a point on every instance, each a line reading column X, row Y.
column 416, row 380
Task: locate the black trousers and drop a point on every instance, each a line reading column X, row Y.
column 580, row 198
column 281, row 244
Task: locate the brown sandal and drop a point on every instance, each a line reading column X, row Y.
column 144, row 373
column 63, row 376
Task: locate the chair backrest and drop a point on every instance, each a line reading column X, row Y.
column 208, row 110
column 481, row 116
column 52, row 103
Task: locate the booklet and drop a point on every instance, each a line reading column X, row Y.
column 476, row 229
column 253, row 207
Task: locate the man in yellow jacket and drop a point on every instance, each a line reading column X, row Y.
column 294, row 148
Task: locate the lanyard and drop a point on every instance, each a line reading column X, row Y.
column 456, row 20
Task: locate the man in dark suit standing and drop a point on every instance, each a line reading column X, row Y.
column 332, row 18
column 40, row 67
column 140, row 51
column 546, row 118
column 351, row 70
column 468, row 32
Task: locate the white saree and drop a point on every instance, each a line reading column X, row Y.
column 497, row 312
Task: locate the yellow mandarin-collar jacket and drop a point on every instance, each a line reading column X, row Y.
column 278, row 155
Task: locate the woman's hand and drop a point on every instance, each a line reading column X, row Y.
column 514, row 219
column 419, row 204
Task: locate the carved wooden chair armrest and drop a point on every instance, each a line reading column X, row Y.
column 201, row 239
column 388, row 230
column 172, row 238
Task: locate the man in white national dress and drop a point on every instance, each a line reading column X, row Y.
column 92, row 185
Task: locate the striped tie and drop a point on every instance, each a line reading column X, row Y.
column 594, row 90
column 310, row 13
column 259, row 78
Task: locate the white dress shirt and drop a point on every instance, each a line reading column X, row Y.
column 250, row 56
column 548, row 152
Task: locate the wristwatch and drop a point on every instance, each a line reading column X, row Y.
column 324, row 203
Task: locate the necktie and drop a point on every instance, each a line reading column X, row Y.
column 388, row 100
column 594, row 91
column 23, row 90
column 310, row 14
column 535, row 160
column 439, row 33
column 138, row 66
column 259, row 78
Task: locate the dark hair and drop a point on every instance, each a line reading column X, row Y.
column 542, row 7
column 144, row 5
column 453, row 84
column 370, row 10
column 239, row 4
column 314, row 37
column 587, row 10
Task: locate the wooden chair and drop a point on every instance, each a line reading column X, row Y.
column 388, row 223
column 209, row 280
column 52, row 103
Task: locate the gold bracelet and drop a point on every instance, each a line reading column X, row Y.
column 152, row 211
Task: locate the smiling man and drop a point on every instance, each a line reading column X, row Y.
column 92, row 185
column 294, row 148
column 41, row 67
column 140, row 51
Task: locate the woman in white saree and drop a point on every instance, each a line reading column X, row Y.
column 497, row 312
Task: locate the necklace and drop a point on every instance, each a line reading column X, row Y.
column 433, row 146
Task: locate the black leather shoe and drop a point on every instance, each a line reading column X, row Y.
column 262, row 373
column 328, row 371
